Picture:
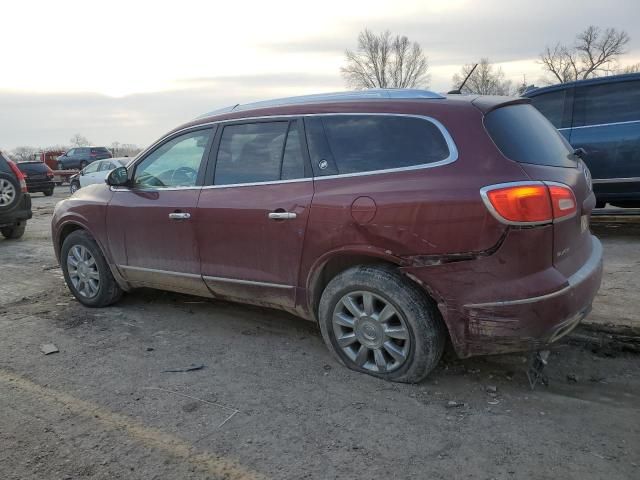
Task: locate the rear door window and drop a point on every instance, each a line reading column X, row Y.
column 556, row 106
column 607, row 103
column 523, row 134
column 367, row 143
column 259, row 152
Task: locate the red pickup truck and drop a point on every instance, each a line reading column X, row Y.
column 51, row 159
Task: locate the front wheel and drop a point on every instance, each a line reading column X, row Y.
column 14, row 232
column 86, row 271
column 48, row 193
column 377, row 322
column 74, row 187
column 60, row 166
column 83, row 164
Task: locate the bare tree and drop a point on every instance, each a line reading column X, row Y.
column 385, row 61
column 24, row 153
column 79, row 141
column 634, row 68
column 485, row 80
column 595, row 52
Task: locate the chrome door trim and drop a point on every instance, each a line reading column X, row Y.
column 246, row 282
column 616, row 180
column 600, row 125
column 162, row 272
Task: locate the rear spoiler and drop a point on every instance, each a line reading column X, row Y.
column 487, row 103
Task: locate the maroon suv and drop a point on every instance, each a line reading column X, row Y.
column 396, row 219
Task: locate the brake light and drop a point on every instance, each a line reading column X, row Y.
column 529, row 203
column 563, row 201
column 19, row 175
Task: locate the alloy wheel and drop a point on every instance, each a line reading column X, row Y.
column 7, row 192
column 83, row 271
column 371, row 332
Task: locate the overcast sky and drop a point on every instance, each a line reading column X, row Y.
column 129, row 70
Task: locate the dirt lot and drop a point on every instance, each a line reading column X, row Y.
column 270, row 401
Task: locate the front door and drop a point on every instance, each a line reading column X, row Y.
column 153, row 222
column 253, row 215
column 87, row 177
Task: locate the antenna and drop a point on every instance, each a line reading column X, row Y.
column 458, row 91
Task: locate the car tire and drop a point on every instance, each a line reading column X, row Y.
column 48, row 193
column 9, row 192
column 90, row 279
column 600, row 204
column 83, row 164
column 14, row 231
column 397, row 324
column 74, row 187
column 60, row 166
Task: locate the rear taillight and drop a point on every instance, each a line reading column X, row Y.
column 529, row 203
column 19, row 175
column 93, row 155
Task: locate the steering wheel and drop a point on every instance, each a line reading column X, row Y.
column 188, row 175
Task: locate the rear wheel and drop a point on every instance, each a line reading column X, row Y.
column 86, row 271
column 9, row 191
column 377, row 322
column 48, row 193
column 14, row 231
column 83, row 164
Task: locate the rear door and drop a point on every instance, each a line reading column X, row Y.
column 253, row 215
column 524, row 135
column 606, row 123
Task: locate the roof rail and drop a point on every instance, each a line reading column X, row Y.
column 371, row 94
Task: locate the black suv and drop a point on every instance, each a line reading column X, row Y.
column 15, row 202
column 39, row 177
column 80, row 157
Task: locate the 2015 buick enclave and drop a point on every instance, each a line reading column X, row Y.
column 396, row 219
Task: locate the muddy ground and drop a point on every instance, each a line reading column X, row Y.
column 270, row 402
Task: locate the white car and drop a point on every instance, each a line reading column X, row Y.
column 96, row 172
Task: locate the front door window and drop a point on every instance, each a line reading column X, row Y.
column 176, row 163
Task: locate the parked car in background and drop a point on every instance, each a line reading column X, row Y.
column 602, row 116
column 15, row 202
column 96, row 172
column 39, row 177
column 396, row 219
column 80, row 157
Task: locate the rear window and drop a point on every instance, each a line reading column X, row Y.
column 364, row 143
column 607, row 103
column 523, row 134
column 33, row 167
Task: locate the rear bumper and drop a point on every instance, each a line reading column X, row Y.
column 40, row 185
column 538, row 309
column 531, row 323
column 20, row 213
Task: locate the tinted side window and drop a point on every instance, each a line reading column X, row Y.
column 552, row 105
column 364, row 143
column 523, row 134
column 92, row 167
column 293, row 159
column 250, row 152
column 607, row 103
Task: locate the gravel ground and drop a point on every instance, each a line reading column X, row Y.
column 270, row 402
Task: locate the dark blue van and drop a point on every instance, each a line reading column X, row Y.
column 602, row 116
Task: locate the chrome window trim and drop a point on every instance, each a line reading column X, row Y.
column 453, row 150
column 616, row 180
column 600, row 125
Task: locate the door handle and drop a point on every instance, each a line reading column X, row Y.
column 282, row 215
column 179, row 216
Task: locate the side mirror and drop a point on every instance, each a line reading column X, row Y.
column 118, row 177
column 580, row 152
